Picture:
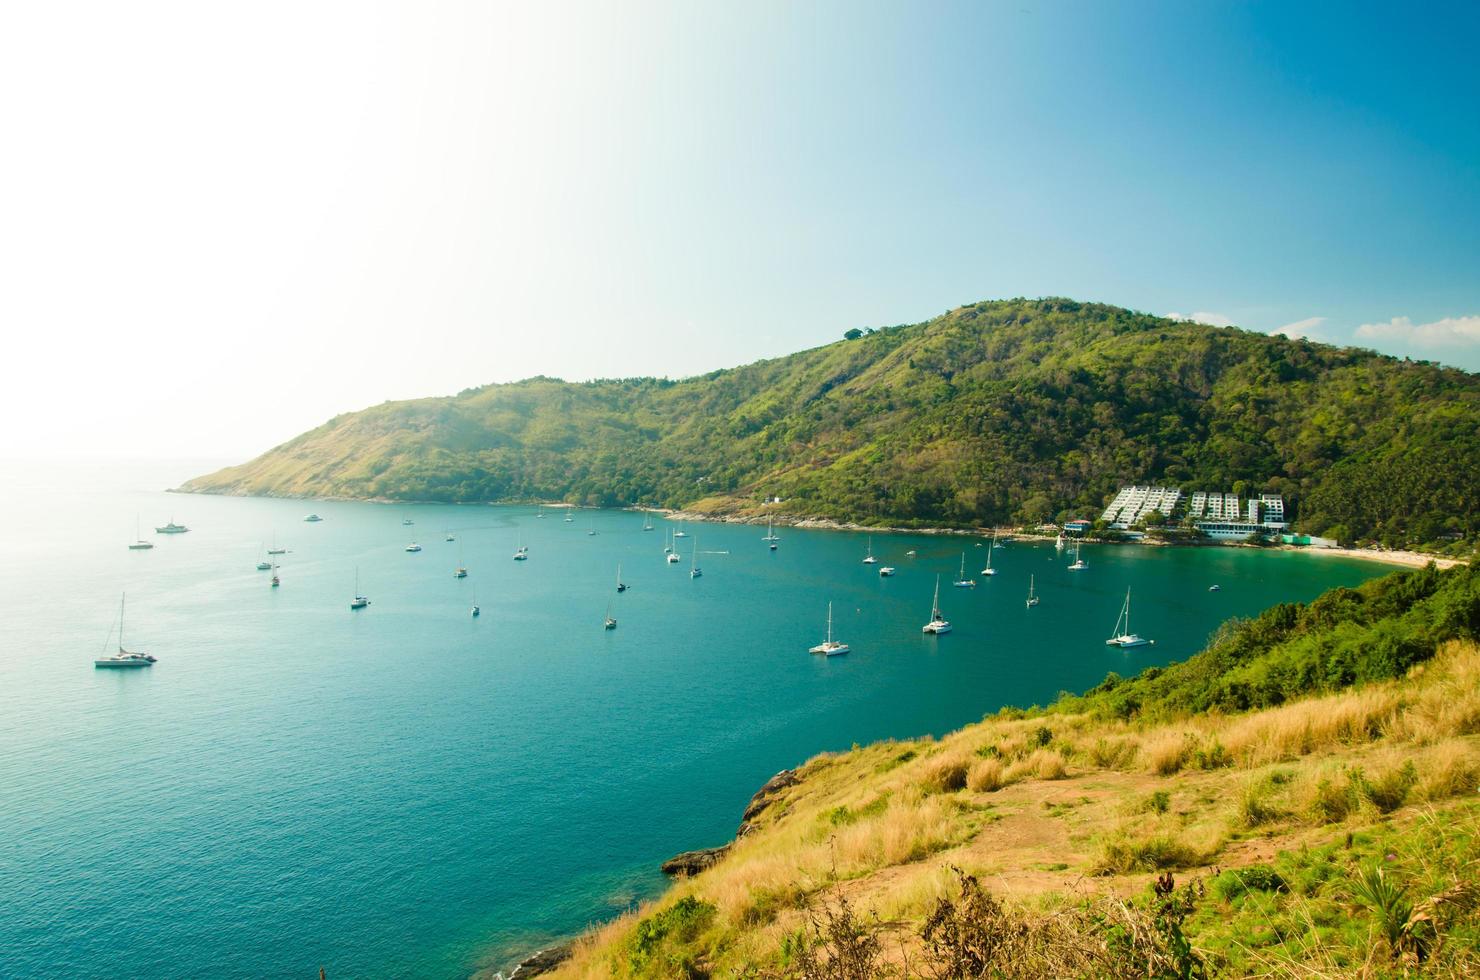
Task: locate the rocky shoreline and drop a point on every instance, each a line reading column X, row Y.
column 678, row 866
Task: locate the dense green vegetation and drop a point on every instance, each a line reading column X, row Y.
column 1346, row 636
column 997, row 411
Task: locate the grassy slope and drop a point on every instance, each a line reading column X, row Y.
column 1058, row 811
column 990, row 412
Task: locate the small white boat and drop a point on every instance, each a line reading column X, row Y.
column 694, row 570
column 830, row 647
column 450, row 537
column 263, row 566
column 963, row 582
column 1079, row 563
column 938, row 623
column 461, row 571
column 680, row 533
column 275, row 550
column 886, row 571
column 869, row 558
column 591, row 529
column 413, row 546
column 123, row 658
column 910, row 553
column 360, row 601
column 570, row 517
column 276, row 581
column 989, row 570
column 1032, row 596
column 1058, row 544
column 139, row 543
column 171, row 528
column 475, row 612
column 610, row 623
column 1215, row 588
column 313, row 518
column 621, row 586
column 407, row 522
column 1122, row 636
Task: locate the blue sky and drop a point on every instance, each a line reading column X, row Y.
column 277, row 213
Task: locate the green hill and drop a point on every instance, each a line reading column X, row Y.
column 993, row 412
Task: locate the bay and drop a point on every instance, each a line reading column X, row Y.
column 408, row 791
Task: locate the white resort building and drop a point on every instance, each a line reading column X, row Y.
column 1221, row 516
column 1132, row 504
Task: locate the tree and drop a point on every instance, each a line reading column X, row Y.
column 853, row 334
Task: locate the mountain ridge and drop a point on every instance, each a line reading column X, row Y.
column 994, row 411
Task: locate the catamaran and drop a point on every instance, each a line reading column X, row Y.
column 621, row 586
column 139, row 543
column 171, row 528
column 989, row 570
column 963, row 582
column 123, row 658
column 1079, row 563
column 938, row 622
column 830, row 647
column 1032, row 599
column 869, row 558
column 1122, row 635
column 360, row 601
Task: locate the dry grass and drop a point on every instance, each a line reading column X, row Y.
column 987, row 776
column 1166, row 752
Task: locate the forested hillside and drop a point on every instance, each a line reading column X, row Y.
column 997, row 411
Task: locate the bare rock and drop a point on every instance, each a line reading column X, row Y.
column 542, row 962
column 693, row 862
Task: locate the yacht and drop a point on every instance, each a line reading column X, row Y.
column 621, row 586
column 139, row 543
column 1032, row 599
column 123, row 658
column 275, row 550
column 886, row 571
column 275, row 580
column 830, row 647
column 989, row 570
column 413, row 546
column 694, row 570
column 359, row 601
column 264, row 565
column 313, row 518
column 461, row 571
column 1079, row 563
column 1058, row 544
column 610, row 623
column 770, row 532
column 171, row 528
column 869, row 558
column 673, row 558
column 938, row 623
column 963, row 582
column 1122, row 635
column 475, row 612
column 680, row 533
column 521, row 553
column 647, row 520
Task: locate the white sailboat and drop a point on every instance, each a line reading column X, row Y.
column 1032, row 599
column 830, row 647
column 570, row 516
column 413, row 546
column 647, row 520
column 139, row 543
column 264, row 564
column 680, row 532
column 1058, row 544
column 591, row 528
column 621, row 586
column 694, row 570
column 938, row 623
column 1122, row 635
column 540, row 514
column 1079, row 563
column 991, row 547
column 275, row 580
column 449, row 537
column 521, row 553
column 123, row 658
column 461, row 571
column 475, row 612
column 360, row 601
column 869, row 558
column 770, row 531
column 275, row 550
column 610, row 623
column 963, row 582
column 407, row 522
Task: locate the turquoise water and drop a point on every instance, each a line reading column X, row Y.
column 407, row 791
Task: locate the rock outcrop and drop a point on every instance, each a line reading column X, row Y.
column 693, row 862
column 542, row 962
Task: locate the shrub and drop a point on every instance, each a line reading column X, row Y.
column 1122, row 854
column 1256, row 878
column 655, row 946
column 1159, row 801
column 1167, row 753
column 1389, row 791
column 1112, row 753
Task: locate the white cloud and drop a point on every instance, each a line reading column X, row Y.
column 1452, row 331
column 1307, row 329
column 1211, row 319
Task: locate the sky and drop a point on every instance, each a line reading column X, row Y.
column 223, row 224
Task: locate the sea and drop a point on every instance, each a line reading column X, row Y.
column 409, row 791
